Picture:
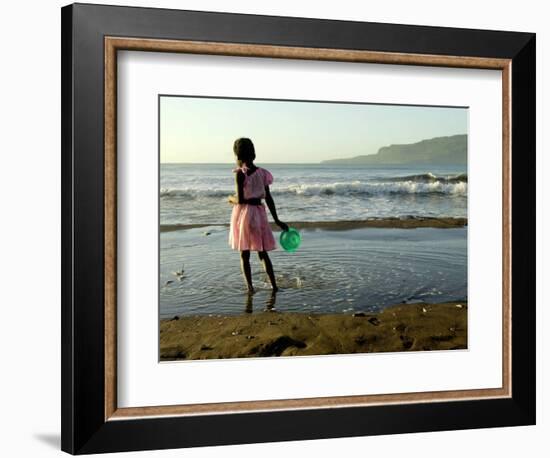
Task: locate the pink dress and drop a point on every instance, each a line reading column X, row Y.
column 249, row 228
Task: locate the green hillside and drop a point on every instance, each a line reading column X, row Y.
column 439, row 150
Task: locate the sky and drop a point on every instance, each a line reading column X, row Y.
column 202, row 130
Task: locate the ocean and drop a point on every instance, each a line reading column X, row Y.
column 334, row 271
column 197, row 193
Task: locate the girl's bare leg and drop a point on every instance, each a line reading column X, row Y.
column 264, row 257
column 249, row 303
column 245, row 267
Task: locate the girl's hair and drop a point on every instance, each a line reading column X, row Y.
column 244, row 150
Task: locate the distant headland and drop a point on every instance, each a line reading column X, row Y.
column 439, row 150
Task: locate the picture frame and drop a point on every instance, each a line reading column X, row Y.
column 92, row 35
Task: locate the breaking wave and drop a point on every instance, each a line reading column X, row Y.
column 414, row 184
column 431, row 178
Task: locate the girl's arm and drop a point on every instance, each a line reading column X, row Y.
column 271, row 205
column 239, row 184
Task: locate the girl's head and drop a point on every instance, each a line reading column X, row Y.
column 244, row 151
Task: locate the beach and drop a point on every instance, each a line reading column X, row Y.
column 403, row 327
column 382, row 266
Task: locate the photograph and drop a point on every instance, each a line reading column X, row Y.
column 278, row 218
column 305, row 228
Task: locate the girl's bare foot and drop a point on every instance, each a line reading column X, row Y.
column 250, row 289
column 270, row 303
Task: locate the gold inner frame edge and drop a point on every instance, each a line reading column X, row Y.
column 111, row 46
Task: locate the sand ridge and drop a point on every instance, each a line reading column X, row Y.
column 410, row 222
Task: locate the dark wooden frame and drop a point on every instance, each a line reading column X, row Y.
column 91, row 35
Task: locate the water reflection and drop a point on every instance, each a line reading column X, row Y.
column 269, row 302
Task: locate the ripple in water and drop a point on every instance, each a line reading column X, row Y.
column 332, row 272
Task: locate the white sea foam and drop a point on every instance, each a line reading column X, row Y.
column 311, row 192
column 343, row 188
column 374, row 188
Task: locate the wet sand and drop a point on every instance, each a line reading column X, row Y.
column 401, row 223
column 403, row 327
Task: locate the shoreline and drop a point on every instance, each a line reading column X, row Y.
column 411, row 222
column 402, row 327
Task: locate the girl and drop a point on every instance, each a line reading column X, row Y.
column 249, row 229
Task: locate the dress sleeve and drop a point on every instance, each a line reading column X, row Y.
column 268, row 178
